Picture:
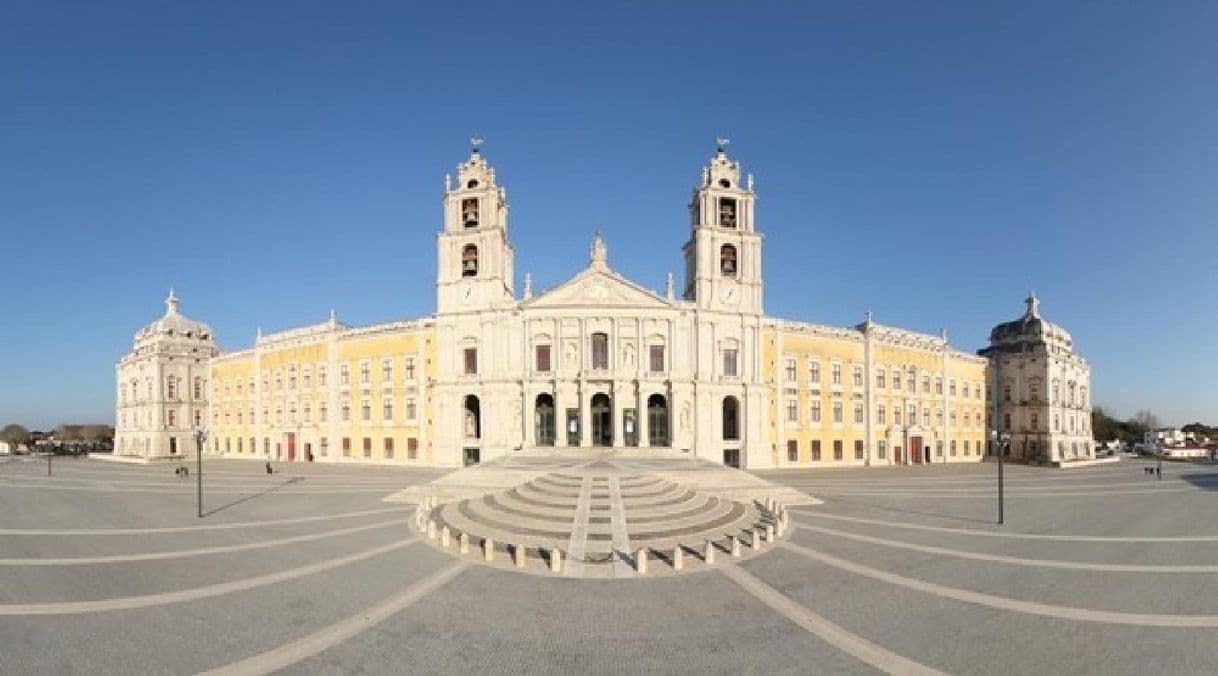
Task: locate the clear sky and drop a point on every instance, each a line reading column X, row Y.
column 928, row 161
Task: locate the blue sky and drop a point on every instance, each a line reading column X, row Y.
column 929, row 162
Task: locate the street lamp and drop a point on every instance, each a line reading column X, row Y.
column 999, row 442
column 200, row 439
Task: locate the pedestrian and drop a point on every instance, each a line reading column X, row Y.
column 268, row 468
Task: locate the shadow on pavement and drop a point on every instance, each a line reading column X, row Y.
column 247, row 498
column 1208, row 482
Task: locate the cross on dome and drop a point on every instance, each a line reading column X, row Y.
column 171, row 303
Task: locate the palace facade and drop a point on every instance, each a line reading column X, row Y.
column 597, row 362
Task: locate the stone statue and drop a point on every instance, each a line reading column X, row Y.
column 628, row 356
column 685, row 413
column 598, row 253
column 572, row 356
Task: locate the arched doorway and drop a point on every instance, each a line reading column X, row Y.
column 731, row 419
column 602, row 420
column 543, row 419
column 657, row 420
column 472, row 424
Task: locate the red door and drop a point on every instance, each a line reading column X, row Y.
column 915, row 450
column 291, row 446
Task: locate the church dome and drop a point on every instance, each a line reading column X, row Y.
column 1031, row 327
column 173, row 325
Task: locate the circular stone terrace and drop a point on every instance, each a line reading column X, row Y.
column 104, row 568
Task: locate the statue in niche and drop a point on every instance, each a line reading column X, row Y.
column 572, row 358
column 685, row 415
column 628, row 356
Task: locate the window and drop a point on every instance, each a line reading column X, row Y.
column 365, row 372
column 325, row 447
column 977, row 390
column 344, row 375
column 1006, row 421
column 792, row 450
column 938, row 385
column 308, row 412
column 951, row 448
column 367, row 447
column 1006, row 392
column 171, row 388
column 858, row 413
column 729, row 362
column 346, row 447
column 321, row 375
column 600, row 351
column 727, row 260
column 896, row 414
column 278, row 381
column 964, row 389
column 792, row 410
column 881, row 450
column 966, row 449
column 837, row 374
column 345, row 411
column 655, row 358
column 913, row 415
column 321, row 412
column 938, row 449
column 365, row 410
column 198, row 419
column 813, row 371
column 881, row 414
column 471, row 361
column 951, row 387
column 896, row 379
column 814, row 413
column 951, row 418
column 731, row 418
column 727, row 212
column 291, row 412
column 814, row 450
column 926, row 384
column 910, row 381
column 198, row 389
column 790, row 370
column 388, row 448
column 469, row 212
column 291, row 380
column 172, row 418
column 307, row 375
column 939, row 417
column 410, row 368
column 837, row 411
column 858, row 449
column 412, row 410
column 386, row 370
column 1035, row 421
column 858, row 376
column 542, row 361
column 837, row 449
column 278, row 415
column 387, row 408
column 412, row 448
column 469, row 261
column 239, row 416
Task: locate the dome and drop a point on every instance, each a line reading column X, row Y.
column 1031, row 327
column 174, row 325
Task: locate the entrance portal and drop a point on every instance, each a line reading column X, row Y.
column 602, row 420
column 291, row 446
column 915, row 450
column 544, row 419
column 657, row 420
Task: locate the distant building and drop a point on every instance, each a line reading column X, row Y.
column 1041, row 389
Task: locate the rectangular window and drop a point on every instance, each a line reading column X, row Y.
column 790, row 369
column 367, row 447
column 814, row 450
column 387, row 409
column 600, row 351
column 951, row 387
column 951, row 448
column 858, row 449
column 858, row 413
column 346, row 447
column 386, row 370
column 896, row 379
column 412, row 410
column 964, row 389
column 172, row 419
column 325, row 447
column 321, row 375
column 543, row 358
column 837, row 374
column 911, row 382
column 656, row 358
column 792, row 450
column 291, row 380
column 881, row 450
column 792, row 410
column 410, row 368
column 837, row 411
column 412, row 448
column 307, row 376
column 913, row 415
column 365, row 410
column 938, row 386
column 729, row 362
column 814, row 371
column 896, row 414
column 858, row 376
column 966, row 448
column 471, row 361
column 308, row 413
column 879, row 379
column 881, row 414
column 344, row 375
column 837, row 449
column 814, row 414
column 388, row 448
column 926, row 384
column 345, row 412
column 321, row 412
column 365, row 373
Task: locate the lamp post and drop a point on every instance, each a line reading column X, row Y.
column 200, row 438
column 999, row 442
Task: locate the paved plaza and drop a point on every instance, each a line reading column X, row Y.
column 105, row 568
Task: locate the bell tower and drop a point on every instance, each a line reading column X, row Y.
column 723, row 254
column 475, row 259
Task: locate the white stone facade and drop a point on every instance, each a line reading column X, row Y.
column 162, row 388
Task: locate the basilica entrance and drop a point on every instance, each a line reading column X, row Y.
column 602, row 420
column 657, row 420
column 544, row 420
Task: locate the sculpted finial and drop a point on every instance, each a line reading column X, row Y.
column 598, row 253
column 171, row 302
column 721, row 143
column 448, row 182
column 528, row 285
column 475, row 143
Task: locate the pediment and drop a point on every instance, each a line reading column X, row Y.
column 597, row 288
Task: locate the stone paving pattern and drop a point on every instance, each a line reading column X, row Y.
column 312, row 570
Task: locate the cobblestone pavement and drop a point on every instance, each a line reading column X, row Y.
column 104, row 568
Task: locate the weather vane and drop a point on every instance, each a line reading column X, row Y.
column 475, row 142
column 722, row 141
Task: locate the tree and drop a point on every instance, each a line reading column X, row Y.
column 15, row 435
column 1146, row 420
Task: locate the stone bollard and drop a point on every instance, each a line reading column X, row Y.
column 445, row 537
column 431, row 528
column 710, row 553
column 520, row 555
column 465, row 543
column 769, row 533
column 488, row 549
column 678, row 558
column 756, row 539
column 556, row 560
column 640, row 561
column 735, row 547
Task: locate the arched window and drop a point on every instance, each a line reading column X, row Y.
column 469, row 212
column 727, row 212
column 469, row 261
column 473, row 418
column 727, row 260
column 657, row 420
column 731, row 418
column 543, row 416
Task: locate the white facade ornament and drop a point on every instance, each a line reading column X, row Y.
column 598, row 253
column 528, row 285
